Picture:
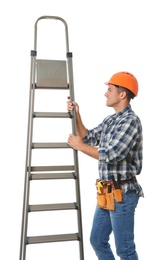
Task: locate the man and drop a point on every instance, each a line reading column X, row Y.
column 117, row 144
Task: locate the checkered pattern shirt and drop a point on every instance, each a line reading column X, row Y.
column 120, row 144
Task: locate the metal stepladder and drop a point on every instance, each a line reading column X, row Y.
column 54, row 75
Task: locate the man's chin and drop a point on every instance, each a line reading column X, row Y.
column 108, row 105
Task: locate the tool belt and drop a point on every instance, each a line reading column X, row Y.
column 110, row 191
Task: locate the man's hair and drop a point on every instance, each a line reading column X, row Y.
column 129, row 93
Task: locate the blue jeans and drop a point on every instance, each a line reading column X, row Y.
column 121, row 223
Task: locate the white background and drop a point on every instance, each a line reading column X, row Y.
column 105, row 37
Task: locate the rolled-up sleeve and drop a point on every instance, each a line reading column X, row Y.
column 93, row 136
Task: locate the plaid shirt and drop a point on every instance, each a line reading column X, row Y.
column 120, row 144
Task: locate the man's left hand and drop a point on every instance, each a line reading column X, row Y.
column 75, row 141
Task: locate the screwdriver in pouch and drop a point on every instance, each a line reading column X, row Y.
column 108, row 188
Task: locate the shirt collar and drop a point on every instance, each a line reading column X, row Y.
column 125, row 110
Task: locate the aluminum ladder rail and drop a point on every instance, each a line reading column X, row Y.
column 55, row 172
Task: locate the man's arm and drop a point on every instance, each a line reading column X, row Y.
column 76, row 141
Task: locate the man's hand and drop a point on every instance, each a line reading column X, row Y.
column 72, row 105
column 75, row 142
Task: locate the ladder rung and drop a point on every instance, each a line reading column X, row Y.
column 50, row 145
column 49, row 207
column 51, row 114
column 52, row 238
column 52, row 168
column 51, row 87
column 52, row 176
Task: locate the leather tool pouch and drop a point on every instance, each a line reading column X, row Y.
column 101, row 200
column 105, row 198
column 106, row 201
column 110, row 201
column 118, row 195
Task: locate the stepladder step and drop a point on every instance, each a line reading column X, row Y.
column 52, row 238
column 53, row 176
column 50, row 145
column 51, row 115
column 49, row 207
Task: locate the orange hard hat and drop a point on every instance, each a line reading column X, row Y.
column 126, row 80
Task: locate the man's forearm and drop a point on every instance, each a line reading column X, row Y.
column 81, row 129
column 89, row 150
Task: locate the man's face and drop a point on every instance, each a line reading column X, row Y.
column 112, row 95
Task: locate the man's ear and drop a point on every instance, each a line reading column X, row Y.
column 123, row 94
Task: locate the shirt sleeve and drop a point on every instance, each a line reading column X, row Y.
column 93, row 136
